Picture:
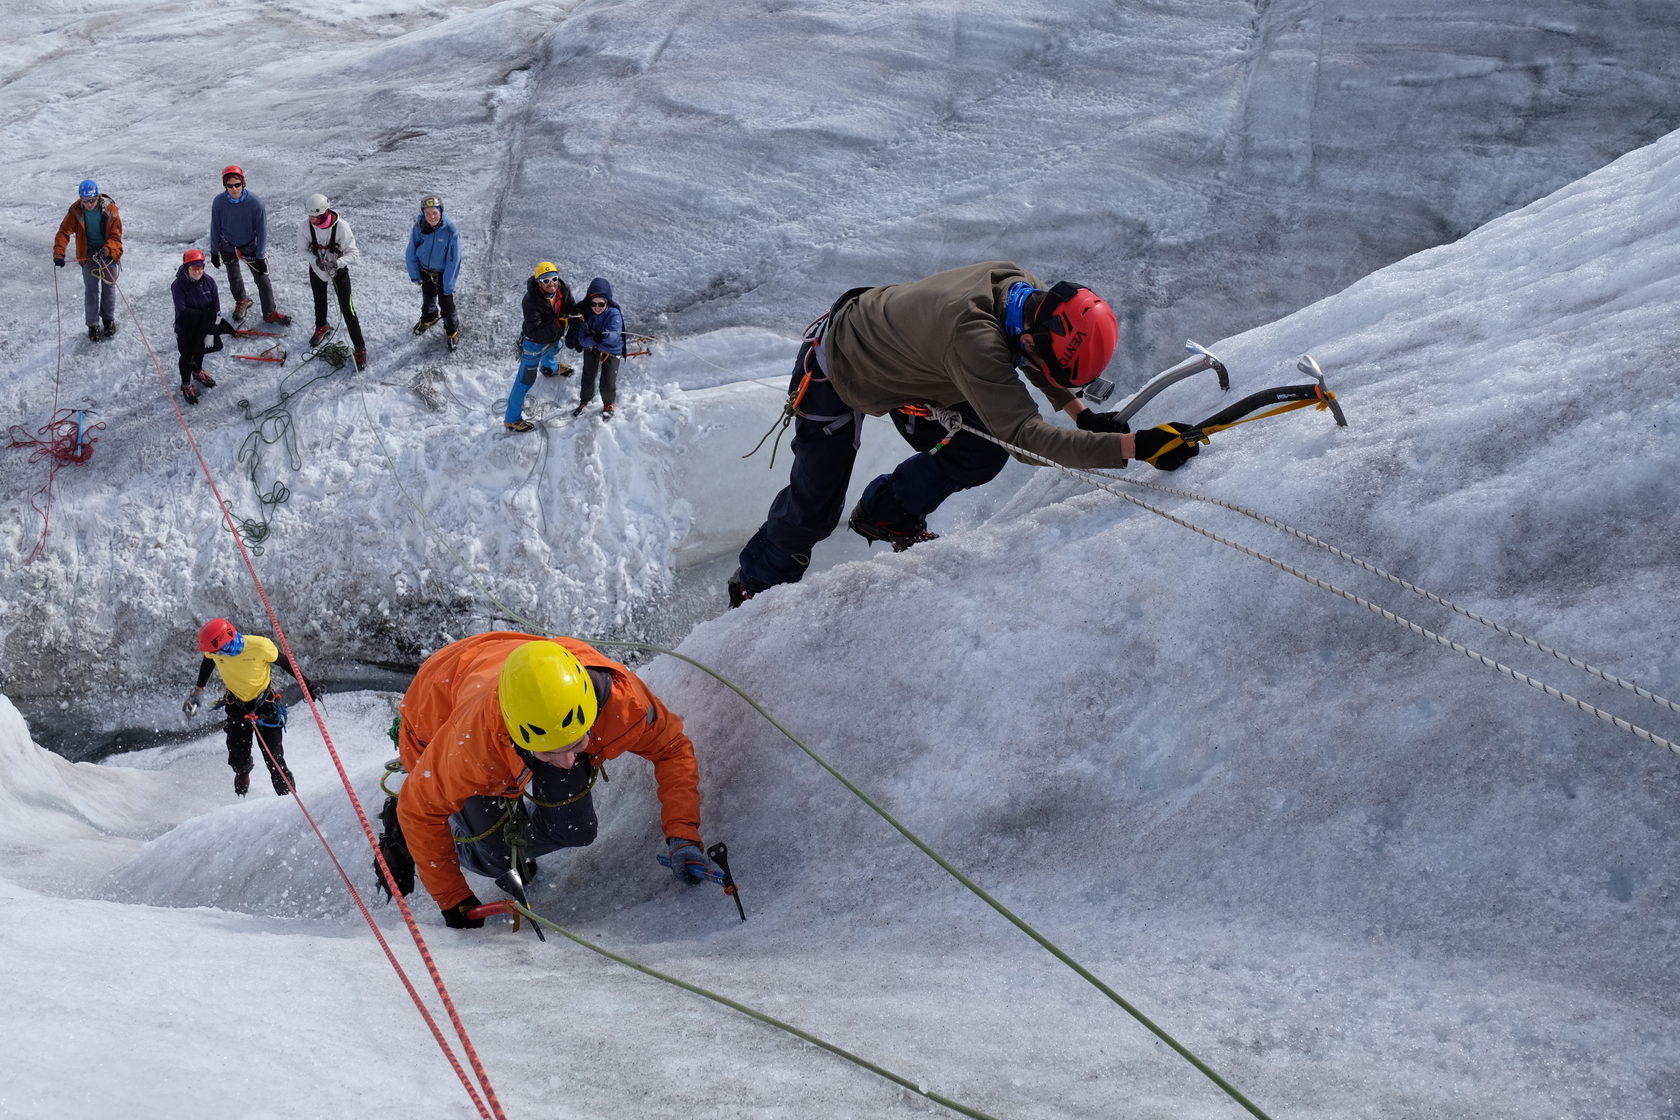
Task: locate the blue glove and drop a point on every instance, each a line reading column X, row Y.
column 688, row 862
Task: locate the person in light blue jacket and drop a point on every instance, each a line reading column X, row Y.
column 434, row 261
column 599, row 332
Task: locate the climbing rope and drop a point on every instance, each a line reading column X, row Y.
column 1438, row 600
column 487, row 1104
column 752, row 1013
column 275, row 424
column 1044, row 942
column 66, row 438
column 953, row 421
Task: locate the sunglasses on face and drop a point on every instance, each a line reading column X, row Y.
column 597, row 303
column 549, row 280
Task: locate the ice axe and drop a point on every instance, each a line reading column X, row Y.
column 718, row 854
column 1282, row 398
column 1201, row 358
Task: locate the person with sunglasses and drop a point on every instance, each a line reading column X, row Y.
column 547, row 305
column 599, row 332
column 251, row 703
column 239, row 234
column 954, row 340
column 199, row 326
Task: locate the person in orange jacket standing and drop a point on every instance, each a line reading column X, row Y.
column 97, row 228
column 493, row 721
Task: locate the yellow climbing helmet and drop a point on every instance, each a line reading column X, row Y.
column 548, row 701
column 545, row 268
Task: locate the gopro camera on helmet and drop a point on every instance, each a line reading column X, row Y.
column 1097, row 390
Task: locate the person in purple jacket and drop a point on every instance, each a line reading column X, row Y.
column 599, row 333
column 239, row 232
column 198, row 323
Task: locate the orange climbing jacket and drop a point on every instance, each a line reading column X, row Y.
column 455, row 745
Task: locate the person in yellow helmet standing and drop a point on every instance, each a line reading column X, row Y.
column 497, row 720
column 547, row 305
column 251, row 703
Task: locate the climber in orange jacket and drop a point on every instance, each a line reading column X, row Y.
column 492, row 720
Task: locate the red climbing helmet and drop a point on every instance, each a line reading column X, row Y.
column 232, row 170
column 215, row 634
column 1074, row 334
column 193, row 256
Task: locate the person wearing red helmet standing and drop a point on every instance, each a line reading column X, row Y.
column 953, row 340
column 251, row 703
column 198, row 323
column 239, row 232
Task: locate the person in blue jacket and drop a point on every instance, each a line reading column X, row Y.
column 198, row 323
column 599, row 333
column 434, row 261
column 239, row 232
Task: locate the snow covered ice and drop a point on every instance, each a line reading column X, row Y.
column 1356, row 872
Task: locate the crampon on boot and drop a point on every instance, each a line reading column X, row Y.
column 900, row 537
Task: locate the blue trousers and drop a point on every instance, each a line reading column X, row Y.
column 533, row 356
column 826, row 437
column 548, row 829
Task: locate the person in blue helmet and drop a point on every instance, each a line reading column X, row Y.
column 434, row 262
column 599, row 332
column 239, row 234
column 251, row 703
column 96, row 226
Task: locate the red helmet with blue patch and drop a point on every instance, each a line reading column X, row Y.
column 215, row 634
column 1074, row 334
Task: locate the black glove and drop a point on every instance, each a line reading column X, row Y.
column 190, row 704
column 455, row 917
column 215, row 260
column 1091, row 420
column 58, row 261
column 1152, row 442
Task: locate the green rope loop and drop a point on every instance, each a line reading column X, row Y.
column 271, row 425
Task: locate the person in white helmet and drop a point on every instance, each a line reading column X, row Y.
column 331, row 247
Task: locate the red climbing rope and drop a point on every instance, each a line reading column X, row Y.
column 66, row 438
column 488, row 1106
